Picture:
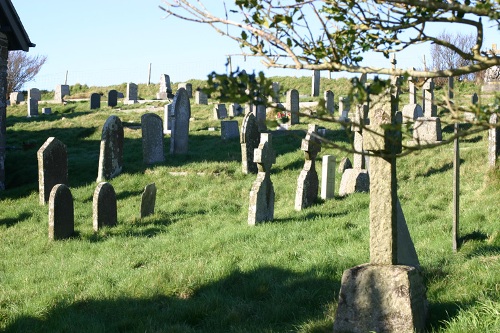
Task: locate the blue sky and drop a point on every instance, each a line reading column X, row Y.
column 108, row 42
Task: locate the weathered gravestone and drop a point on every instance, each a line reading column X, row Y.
column 181, row 112
column 165, row 88
column 167, row 119
column 104, row 206
column 61, row 213
column 52, row 167
column 200, row 98
column 112, row 98
column 388, row 294
column 412, row 110
column 275, row 88
column 229, row 129
column 328, row 177
column 132, row 94
column 308, row 182
column 292, row 105
column 148, row 200
column 16, row 97
column 32, row 107
column 152, row 138
column 249, row 140
column 95, row 101
column 220, row 111
column 35, row 94
column 344, row 164
column 427, row 129
column 260, row 116
column 111, row 152
column 494, row 141
column 188, row 87
column 61, row 91
column 261, row 207
column 329, row 101
column 316, row 76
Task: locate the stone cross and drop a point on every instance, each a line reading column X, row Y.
column 104, row 206
column 261, row 207
column 308, row 183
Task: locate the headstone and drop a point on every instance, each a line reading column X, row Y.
column 61, row 91
column 249, row 140
column 229, row 129
column 345, row 163
column 261, row 207
column 61, row 213
column 328, row 177
column 120, row 95
column 111, row 151
column 112, row 98
column 200, row 98
column 344, row 107
column 412, row 110
column 354, row 180
column 260, row 115
column 315, row 83
column 426, row 130
column 46, row 110
column 308, row 182
column 167, row 119
column 104, row 206
column 329, row 101
column 132, row 93
column 35, row 94
column 293, row 105
column 494, row 141
column 234, row 110
column 188, row 87
column 52, row 167
column 220, row 111
column 16, row 97
column 275, row 98
column 430, row 110
column 165, row 88
column 148, row 200
column 249, row 108
column 181, row 113
column 152, row 138
column 95, row 101
column 32, row 107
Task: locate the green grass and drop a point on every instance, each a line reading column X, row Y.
column 196, row 266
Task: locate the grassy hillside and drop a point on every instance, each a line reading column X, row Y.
column 196, row 266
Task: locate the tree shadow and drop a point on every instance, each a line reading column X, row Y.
column 9, row 222
column 445, row 167
column 265, row 299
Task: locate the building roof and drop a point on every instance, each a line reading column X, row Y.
column 11, row 25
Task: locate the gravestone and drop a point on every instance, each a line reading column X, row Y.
column 387, row 294
column 95, row 101
column 220, row 111
column 430, row 110
column 249, row 108
column 315, row 83
column 234, row 110
column 229, row 129
column 165, row 88
column 32, row 107
column 292, row 105
column 427, row 129
column 308, row 182
column 249, row 140
column 412, row 110
column 261, row 207
column 344, row 108
column 345, row 163
column 329, row 101
column 52, row 167
column 46, row 110
column 152, row 138
column 328, row 177
column 260, row 115
column 16, row 97
column 200, row 98
column 167, row 119
column 104, row 206
column 111, row 151
column 61, row 213
column 112, row 98
column 61, row 91
column 132, row 93
column 181, row 113
column 275, row 88
column 148, row 200
column 35, row 94
column 188, row 87
column 493, row 141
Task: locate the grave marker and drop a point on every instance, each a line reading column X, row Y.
column 200, row 97
column 52, row 167
column 220, row 111
column 16, row 97
column 308, row 183
column 494, row 141
column 292, row 105
column 148, row 200
column 315, row 83
column 61, row 91
column 95, row 101
column 132, row 93
column 104, row 206
column 165, row 88
column 329, row 101
column 229, row 129
column 249, row 140
column 181, row 113
column 32, row 107
column 188, row 87
column 328, row 177
column 61, row 213
column 112, row 98
column 111, row 151
column 152, row 138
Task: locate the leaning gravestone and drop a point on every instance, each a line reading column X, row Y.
column 95, row 101
column 132, row 93
column 32, row 107
column 148, row 200
column 152, row 138
column 112, row 98
column 229, row 129
column 261, row 207
column 111, row 152
column 292, row 105
column 104, row 206
column 181, row 110
column 61, row 91
column 387, row 294
column 308, row 182
column 52, row 167
column 249, row 140
column 61, row 213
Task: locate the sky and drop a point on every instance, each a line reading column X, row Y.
column 107, row 42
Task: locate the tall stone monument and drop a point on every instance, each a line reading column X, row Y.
column 181, row 113
column 308, row 182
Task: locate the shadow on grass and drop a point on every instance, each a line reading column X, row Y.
column 9, row 222
column 265, row 299
column 445, row 167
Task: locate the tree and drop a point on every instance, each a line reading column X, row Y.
column 22, row 68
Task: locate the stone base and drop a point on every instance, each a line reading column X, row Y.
column 354, row 180
column 381, row 298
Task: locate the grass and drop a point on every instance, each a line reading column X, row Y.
column 196, row 266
